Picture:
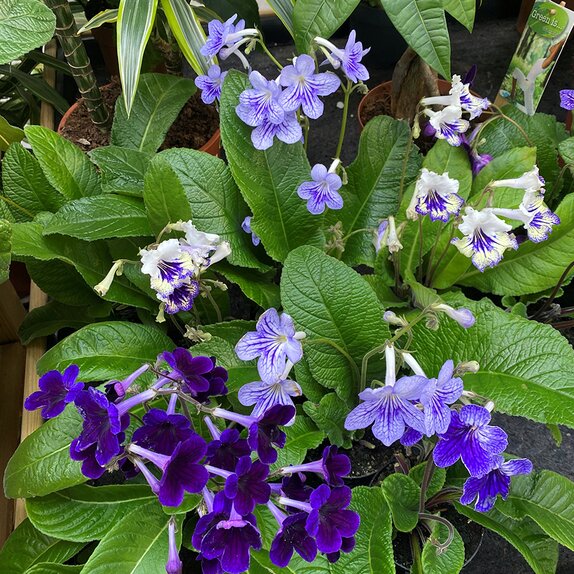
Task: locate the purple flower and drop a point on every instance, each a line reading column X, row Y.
column 181, row 298
column 91, row 468
column 56, row 391
column 292, row 536
column 332, row 465
column 472, row 439
column 322, row 191
column 274, row 341
column 347, row 547
column 116, row 390
column 225, row 35
column 174, row 564
column 246, row 226
column 260, row 104
column 486, row 488
column 463, row 316
column 304, row 87
column 448, row 124
column 348, row 59
column 211, row 84
column 329, row 520
column 411, row 437
column 226, row 451
column 266, row 395
column 567, row 99
column 294, row 487
column 247, row 486
column 161, row 432
column 181, row 471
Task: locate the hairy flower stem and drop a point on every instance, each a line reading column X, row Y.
column 79, row 62
column 502, row 115
column 432, row 270
column 427, row 477
column 440, row 546
column 347, row 91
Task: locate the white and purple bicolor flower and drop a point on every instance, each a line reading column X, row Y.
column 567, row 99
column 303, row 87
column 448, row 124
column 211, row 84
column 323, row 191
column 436, row 196
column 348, row 59
column 274, row 341
column 463, row 316
column 246, row 226
column 387, row 236
column 486, row 238
column 225, row 38
column 205, row 249
column 389, row 409
column 529, row 181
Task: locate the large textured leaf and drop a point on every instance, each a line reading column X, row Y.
column 534, row 267
column 422, row 24
column 540, row 551
column 257, row 286
column 268, row 180
column 159, row 99
column 101, row 217
column 323, row 18
column 84, row 513
column 107, row 350
column 383, row 166
column 27, row 546
column 5, row 249
column 284, row 11
column 137, row 544
column 134, row 27
column 65, row 166
column 24, row 25
column 525, row 367
column 301, row 437
column 402, row 494
column 9, row 134
column 463, row 10
column 329, row 300
column 329, row 415
column 449, row 561
column 215, row 201
column 42, row 464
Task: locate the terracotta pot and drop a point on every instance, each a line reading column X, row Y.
column 211, row 146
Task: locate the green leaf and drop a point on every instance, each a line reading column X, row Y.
column 109, row 350
column 268, row 180
column 231, row 331
column 436, row 483
column 108, row 16
column 134, row 27
column 137, row 544
column 215, row 202
column 284, row 11
column 254, row 285
column 100, row 217
column 84, row 513
column 330, row 301
column 42, row 464
column 49, row 568
column 566, row 149
column 329, row 415
column 450, row 561
column 26, row 188
column 5, row 249
column 24, row 25
column 540, row 551
column 533, row 267
column 27, row 547
column 122, row 169
column 302, row 436
column 54, row 316
column 248, row 10
column 158, row 101
column 402, row 494
column 385, row 164
column 65, row 166
column 323, row 18
column 373, row 553
column 525, row 366
column 463, row 10
column 422, row 24
column 9, row 134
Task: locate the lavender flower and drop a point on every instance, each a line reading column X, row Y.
column 56, row 391
column 174, row 564
column 211, row 84
column 226, row 35
column 411, row 437
column 387, row 235
column 463, row 316
column 247, row 486
column 567, row 99
column 322, row 191
column 472, row 439
column 348, row 59
column 448, row 124
column 486, row 488
column 260, row 104
column 265, row 395
column 288, row 131
column 332, row 466
column 304, row 86
column 274, row 341
column 224, row 452
column 246, row 226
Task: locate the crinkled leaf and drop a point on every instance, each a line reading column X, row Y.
column 257, row 286
column 231, row 331
column 5, row 249
column 449, row 561
column 301, row 437
column 436, row 482
column 402, row 494
column 329, row 415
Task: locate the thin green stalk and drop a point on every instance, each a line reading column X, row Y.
column 347, row 90
column 79, row 62
column 417, row 567
column 215, row 306
column 269, row 54
column 421, row 249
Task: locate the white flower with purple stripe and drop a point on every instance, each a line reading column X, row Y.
column 205, row 249
column 486, row 238
column 246, row 226
column 211, row 84
column 303, row 87
column 436, row 196
column 387, row 236
column 264, row 395
column 323, row 191
column 448, row 124
column 529, row 181
column 273, row 341
column 348, row 59
column 469, row 103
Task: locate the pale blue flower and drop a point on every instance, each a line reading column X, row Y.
column 211, row 84
column 323, row 191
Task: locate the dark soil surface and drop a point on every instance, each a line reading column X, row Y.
column 193, row 128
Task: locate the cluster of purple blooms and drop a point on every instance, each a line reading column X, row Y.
column 175, row 459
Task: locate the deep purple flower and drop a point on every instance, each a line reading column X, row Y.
column 266, row 395
column 323, row 191
column 247, row 486
column 332, row 466
column 260, row 104
column 292, row 536
column 91, row 468
column 478, row 161
column 56, row 391
column 274, row 341
column 161, row 432
column 347, row 547
column 486, row 488
column 265, row 432
column 181, row 298
column 116, row 390
column 472, row 439
column 246, row 226
column 294, row 487
column 411, row 437
column 226, row 451
column 567, row 99
column 348, row 59
column 211, row 84
column 330, row 521
column 304, row 86
column 218, row 508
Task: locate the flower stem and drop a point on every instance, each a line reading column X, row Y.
column 347, row 90
column 417, row 567
column 427, row 477
column 269, row 54
column 215, row 306
column 441, row 546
